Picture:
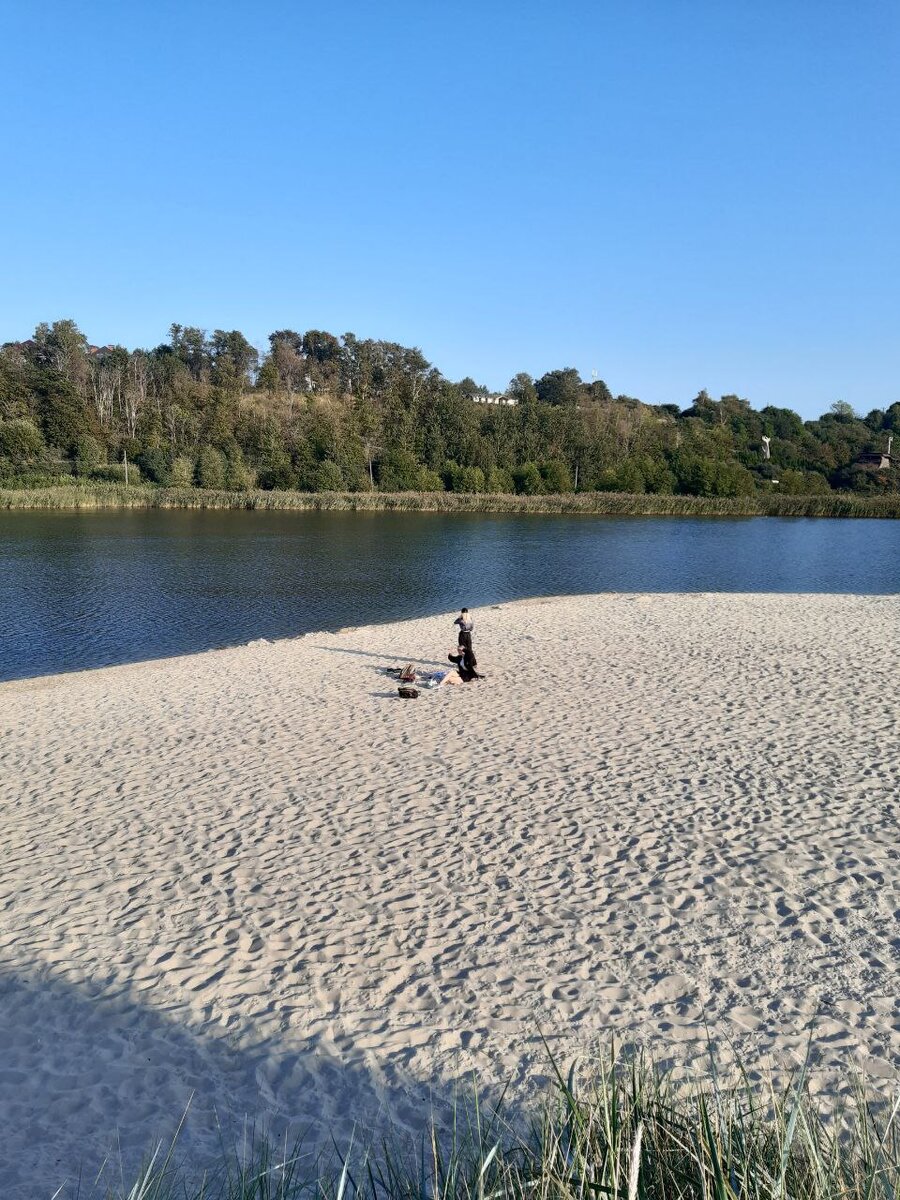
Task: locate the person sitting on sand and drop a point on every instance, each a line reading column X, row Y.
column 465, row 660
column 445, row 679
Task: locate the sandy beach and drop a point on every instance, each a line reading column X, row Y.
column 258, row 877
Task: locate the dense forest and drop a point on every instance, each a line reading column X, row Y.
column 318, row 412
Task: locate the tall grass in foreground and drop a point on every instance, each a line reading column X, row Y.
column 629, row 1135
column 107, row 495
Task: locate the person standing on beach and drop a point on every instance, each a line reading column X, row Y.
column 465, row 623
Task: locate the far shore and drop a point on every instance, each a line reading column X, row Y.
column 111, row 496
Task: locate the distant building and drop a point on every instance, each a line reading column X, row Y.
column 879, row 459
column 493, row 398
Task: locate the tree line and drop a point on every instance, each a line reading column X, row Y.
column 318, row 412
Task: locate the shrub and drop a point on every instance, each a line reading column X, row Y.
column 398, row 471
column 657, row 476
column 29, row 480
column 238, row 476
column 528, row 480
column 556, row 477
column 607, row 481
column 798, row 483
column 357, row 478
column 734, row 480
column 859, row 478
column 210, row 469
column 429, row 481
column 155, row 464
column 278, row 475
column 464, row 479
column 89, row 455
column 328, row 477
column 629, row 477
column 115, row 473
column 20, row 442
column 501, row 482
column 702, row 476
column 181, row 473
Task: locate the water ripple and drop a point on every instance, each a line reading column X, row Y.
column 81, row 590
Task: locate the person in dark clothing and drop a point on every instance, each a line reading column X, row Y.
column 465, row 622
column 465, row 660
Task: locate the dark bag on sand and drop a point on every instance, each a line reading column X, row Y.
column 407, row 692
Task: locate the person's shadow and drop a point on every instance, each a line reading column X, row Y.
column 96, row 1077
column 428, row 662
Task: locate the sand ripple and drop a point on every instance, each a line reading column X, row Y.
column 257, row 876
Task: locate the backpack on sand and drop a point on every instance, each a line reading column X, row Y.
column 408, row 692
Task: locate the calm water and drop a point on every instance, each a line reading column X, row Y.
column 87, row 589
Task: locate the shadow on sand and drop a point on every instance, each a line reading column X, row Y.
column 93, row 1074
column 428, row 662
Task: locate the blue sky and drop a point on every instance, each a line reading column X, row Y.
column 676, row 194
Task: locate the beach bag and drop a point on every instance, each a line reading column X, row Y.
column 407, row 692
column 408, row 674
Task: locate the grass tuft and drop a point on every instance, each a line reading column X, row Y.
column 94, row 495
column 628, row 1134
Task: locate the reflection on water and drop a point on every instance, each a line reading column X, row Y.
column 87, row 589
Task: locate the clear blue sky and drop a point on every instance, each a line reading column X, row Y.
column 676, row 194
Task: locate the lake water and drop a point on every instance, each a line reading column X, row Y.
column 88, row 589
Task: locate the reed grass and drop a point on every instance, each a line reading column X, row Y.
column 99, row 495
column 628, row 1134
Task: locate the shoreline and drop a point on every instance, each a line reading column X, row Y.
column 83, row 497
column 203, row 657
column 255, row 875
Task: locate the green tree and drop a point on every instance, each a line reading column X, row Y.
column 559, row 387
column 781, row 423
column 843, row 411
column 268, row 376
column 733, row 480
column 234, row 360
column 61, row 411
column 190, row 347
column 656, row 475
column 61, row 347
column 695, row 474
column 521, row 389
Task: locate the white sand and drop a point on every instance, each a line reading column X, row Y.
column 258, row 875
